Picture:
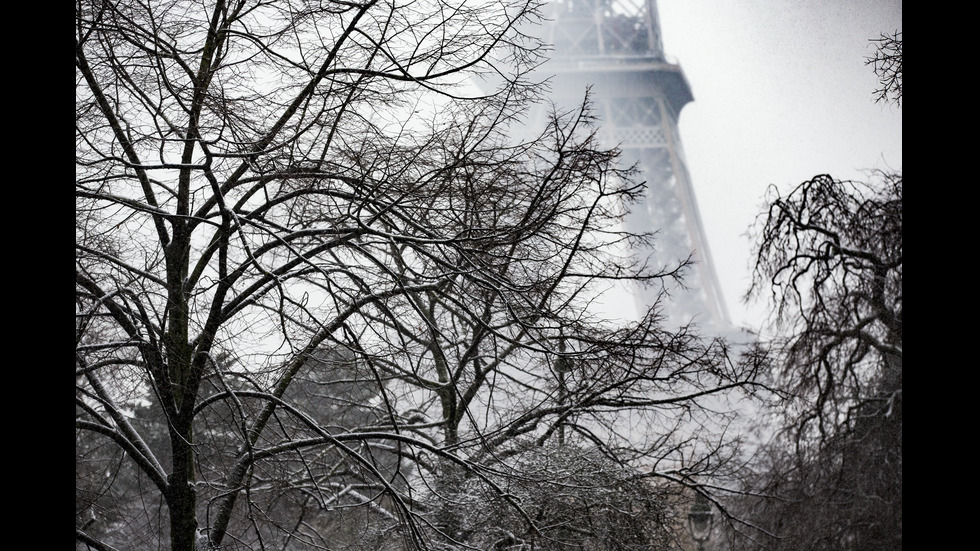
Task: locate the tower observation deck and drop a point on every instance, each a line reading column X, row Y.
column 615, row 47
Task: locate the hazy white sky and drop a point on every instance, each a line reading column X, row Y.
column 781, row 94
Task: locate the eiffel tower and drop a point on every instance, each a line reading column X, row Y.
column 615, row 47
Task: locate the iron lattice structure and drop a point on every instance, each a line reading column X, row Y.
column 615, row 47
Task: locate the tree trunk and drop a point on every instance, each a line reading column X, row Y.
column 181, row 496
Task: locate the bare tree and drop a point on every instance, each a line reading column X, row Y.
column 887, row 64
column 832, row 256
column 829, row 257
column 830, row 252
column 312, row 269
column 578, row 497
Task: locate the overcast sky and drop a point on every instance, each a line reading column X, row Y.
column 781, row 94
